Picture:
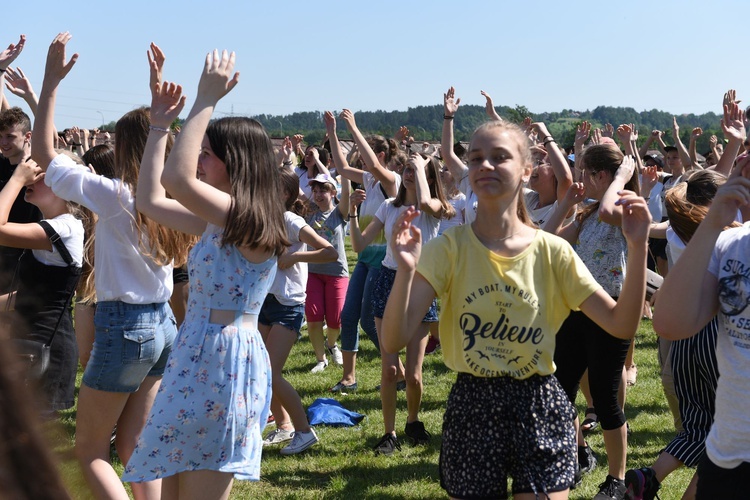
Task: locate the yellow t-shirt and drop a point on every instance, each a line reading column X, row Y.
column 499, row 315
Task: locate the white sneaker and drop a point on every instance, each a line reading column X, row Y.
column 300, row 442
column 336, row 355
column 320, row 366
column 278, row 436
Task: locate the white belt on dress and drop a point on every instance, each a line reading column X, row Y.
column 230, row 317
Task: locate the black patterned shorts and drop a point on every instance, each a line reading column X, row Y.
column 501, row 427
column 382, row 290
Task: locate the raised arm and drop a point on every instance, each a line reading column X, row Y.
column 694, row 134
column 179, row 179
column 582, row 135
column 733, row 126
column 17, row 83
column 386, row 177
column 489, row 107
column 453, row 162
column 556, row 159
column 425, row 201
column 684, row 155
column 339, row 161
column 56, row 68
column 167, row 101
column 610, row 210
column 575, row 194
column 15, row 235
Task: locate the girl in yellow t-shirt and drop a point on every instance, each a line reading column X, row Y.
column 506, row 415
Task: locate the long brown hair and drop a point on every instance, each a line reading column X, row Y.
column 432, row 171
column 163, row 245
column 597, row 158
column 256, row 213
column 524, row 149
column 688, row 202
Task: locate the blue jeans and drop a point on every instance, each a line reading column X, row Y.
column 358, row 308
column 132, row 341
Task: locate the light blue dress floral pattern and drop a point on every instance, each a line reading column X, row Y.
column 214, row 399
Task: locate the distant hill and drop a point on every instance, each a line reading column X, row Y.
column 425, row 122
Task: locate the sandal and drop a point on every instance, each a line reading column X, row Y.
column 591, row 421
column 632, row 373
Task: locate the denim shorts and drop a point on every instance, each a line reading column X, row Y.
column 132, row 341
column 275, row 313
column 382, row 291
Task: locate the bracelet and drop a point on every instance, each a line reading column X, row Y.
column 352, row 217
column 547, row 141
column 446, row 117
column 158, row 129
column 646, row 198
column 287, row 163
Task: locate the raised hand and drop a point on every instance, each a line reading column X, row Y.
column 596, row 137
column 11, row 53
column 730, row 97
column 623, row 133
column 633, row 132
column 636, row 217
column 27, row 172
column 57, row 68
column 675, row 129
column 76, row 134
column 401, row 134
column 575, row 194
column 357, row 197
column 17, row 83
column 696, row 132
column 656, row 133
column 626, row 168
column 167, row 102
column 286, row 147
column 732, row 124
column 348, row 118
column 712, row 141
column 406, row 240
column 489, row 106
column 450, row 103
column 330, row 122
column 582, row 133
column 297, row 140
column 156, row 60
column 609, row 131
column 218, row 77
column 650, row 177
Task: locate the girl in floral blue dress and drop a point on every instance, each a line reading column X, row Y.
column 205, row 426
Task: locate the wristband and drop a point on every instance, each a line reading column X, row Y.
column 446, row 117
column 352, row 217
column 158, row 129
column 547, row 141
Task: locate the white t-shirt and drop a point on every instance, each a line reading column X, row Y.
column 71, row 233
column 387, row 214
column 304, row 179
column 122, row 272
column 459, row 205
column 289, row 284
column 728, row 442
column 470, row 212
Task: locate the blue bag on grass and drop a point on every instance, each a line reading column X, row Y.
column 326, row 411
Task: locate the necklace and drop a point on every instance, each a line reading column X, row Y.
column 502, row 238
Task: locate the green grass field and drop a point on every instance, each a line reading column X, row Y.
column 343, row 466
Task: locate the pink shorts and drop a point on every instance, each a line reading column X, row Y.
column 325, row 298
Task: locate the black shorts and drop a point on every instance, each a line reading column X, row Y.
column 718, row 482
column 382, row 290
column 501, row 427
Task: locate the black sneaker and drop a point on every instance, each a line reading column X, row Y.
column 586, row 459
column 387, row 445
column 417, row 433
column 611, row 489
column 641, row 484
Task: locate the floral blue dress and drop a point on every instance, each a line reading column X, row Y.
column 214, row 399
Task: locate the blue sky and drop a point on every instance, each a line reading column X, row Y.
column 295, row 55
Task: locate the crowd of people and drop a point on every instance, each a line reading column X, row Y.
column 194, row 257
